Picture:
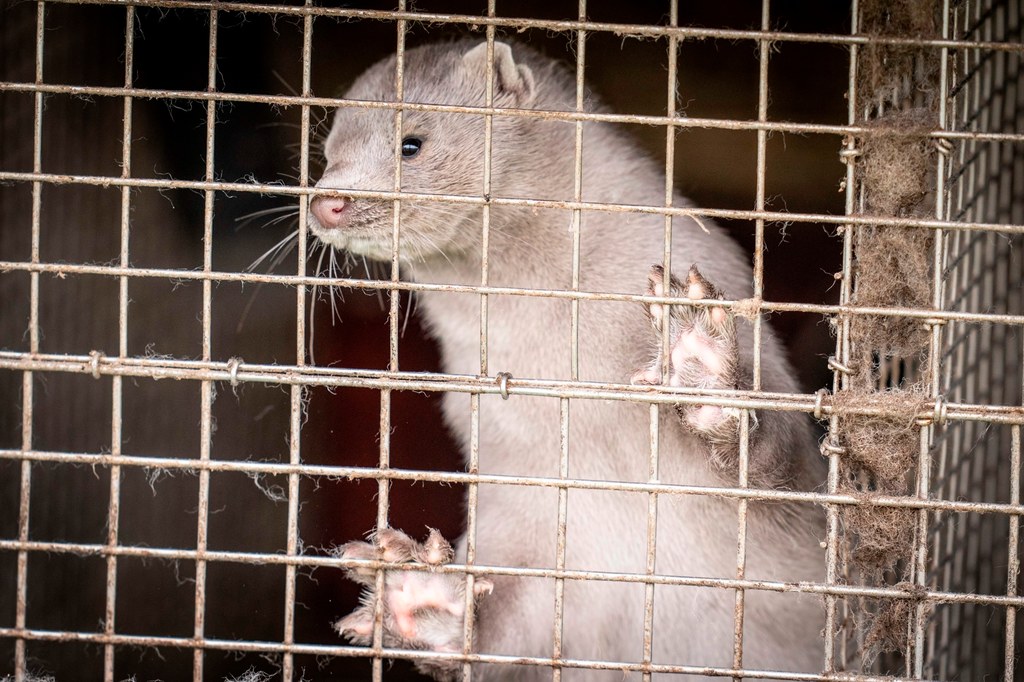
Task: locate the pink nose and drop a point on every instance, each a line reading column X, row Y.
column 330, row 211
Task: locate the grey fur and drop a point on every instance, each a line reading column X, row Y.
column 530, row 337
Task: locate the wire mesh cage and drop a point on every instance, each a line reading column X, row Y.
column 983, row 271
column 205, row 408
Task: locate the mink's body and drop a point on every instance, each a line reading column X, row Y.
column 529, row 337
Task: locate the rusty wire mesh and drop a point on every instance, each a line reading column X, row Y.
column 124, row 492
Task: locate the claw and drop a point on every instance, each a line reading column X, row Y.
column 359, row 550
column 656, row 287
column 357, row 626
column 482, row 587
column 395, row 546
column 436, row 550
column 700, row 287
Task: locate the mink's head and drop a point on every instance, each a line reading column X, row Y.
column 437, row 152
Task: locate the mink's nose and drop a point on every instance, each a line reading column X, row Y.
column 330, row 211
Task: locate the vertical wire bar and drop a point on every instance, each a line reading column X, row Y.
column 577, row 218
column 653, row 465
column 206, row 417
column 485, row 225
column 563, row 405
column 393, row 294
column 473, row 467
column 741, row 544
column 384, row 463
column 561, row 532
column 934, row 369
column 21, row 605
column 744, row 458
column 652, row 530
column 949, row 620
column 982, row 275
column 1013, row 562
column 114, row 507
column 965, row 252
column 762, row 153
column 297, row 392
column 952, row 661
column 1013, row 565
column 967, row 548
column 671, row 109
column 560, row 539
column 839, row 379
column 945, row 556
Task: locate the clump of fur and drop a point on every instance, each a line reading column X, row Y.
column 884, row 536
column 894, row 262
column 879, row 459
column 891, row 622
column 886, row 71
column 897, row 161
column 893, row 269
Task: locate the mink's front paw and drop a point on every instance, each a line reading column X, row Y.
column 423, row 610
column 703, row 353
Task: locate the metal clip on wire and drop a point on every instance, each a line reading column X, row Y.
column 94, row 363
column 831, row 446
column 938, row 415
column 944, row 145
column 849, row 155
column 819, row 402
column 837, row 366
column 502, row 380
column 233, row 364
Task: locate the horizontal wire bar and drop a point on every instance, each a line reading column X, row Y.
column 484, row 570
column 619, row 29
column 235, row 370
column 568, row 116
column 462, row 478
column 289, row 190
column 252, row 646
column 927, row 316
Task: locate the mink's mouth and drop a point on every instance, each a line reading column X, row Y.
column 357, row 242
column 367, row 231
column 361, row 233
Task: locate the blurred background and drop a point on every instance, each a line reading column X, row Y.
column 262, row 54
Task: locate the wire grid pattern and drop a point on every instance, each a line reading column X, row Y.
column 980, row 364
column 977, row 326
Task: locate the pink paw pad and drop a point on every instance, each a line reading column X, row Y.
column 695, row 345
column 706, row 417
column 415, row 593
column 421, row 609
column 703, row 350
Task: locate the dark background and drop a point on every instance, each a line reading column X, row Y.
column 84, row 45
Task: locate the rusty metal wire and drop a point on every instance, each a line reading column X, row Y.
column 577, row 25
column 976, row 339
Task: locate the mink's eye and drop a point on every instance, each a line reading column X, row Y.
column 411, row 147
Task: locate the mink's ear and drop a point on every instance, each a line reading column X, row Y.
column 513, row 83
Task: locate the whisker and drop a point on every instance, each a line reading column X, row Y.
column 248, row 218
column 408, row 312
column 335, row 292
column 285, row 83
column 313, row 298
column 380, row 293
column 277, row 252
column 280, row 124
